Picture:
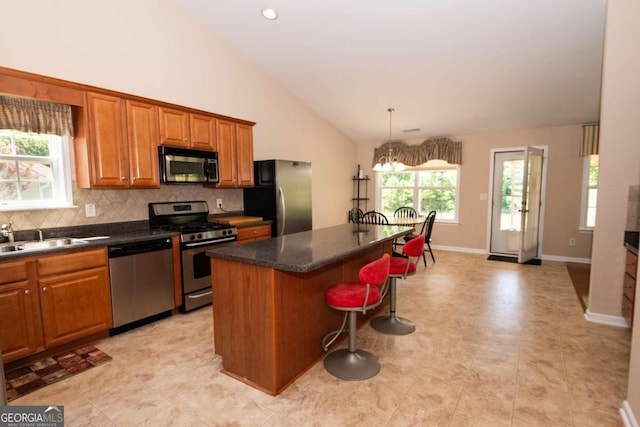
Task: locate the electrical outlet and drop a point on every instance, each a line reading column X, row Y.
column 90, row 210
column 219, row 203
column 572, row 242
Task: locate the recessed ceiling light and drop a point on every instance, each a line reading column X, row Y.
column 270, row 14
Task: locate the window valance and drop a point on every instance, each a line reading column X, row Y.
column 415, row 155
column 590, row 140
column 27, row 115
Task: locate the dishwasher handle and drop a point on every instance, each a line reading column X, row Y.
column 139, row 247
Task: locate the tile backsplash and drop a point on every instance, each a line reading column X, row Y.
column 119, row 205
column 633, row 209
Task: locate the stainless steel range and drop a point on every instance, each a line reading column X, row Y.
column 197, row 235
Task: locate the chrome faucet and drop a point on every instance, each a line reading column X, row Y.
column 6, row 232
column 40, row 238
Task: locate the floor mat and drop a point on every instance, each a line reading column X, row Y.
column 534, row 261
column 49, row 370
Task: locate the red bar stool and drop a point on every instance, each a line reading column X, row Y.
column 352, row 297
column 400, row 268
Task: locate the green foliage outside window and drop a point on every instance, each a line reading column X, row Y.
column 23, row 163
column 424, row 190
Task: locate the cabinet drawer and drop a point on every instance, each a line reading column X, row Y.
column 629, row 287
column 13, row 271
column 631, row 264
column 627, row 309
column 258, row 232
column 68, row 262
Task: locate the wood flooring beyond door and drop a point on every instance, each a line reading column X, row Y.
column 496, row 344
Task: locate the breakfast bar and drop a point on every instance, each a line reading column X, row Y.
column 269, row 314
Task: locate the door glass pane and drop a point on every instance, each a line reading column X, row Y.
column 512, row 175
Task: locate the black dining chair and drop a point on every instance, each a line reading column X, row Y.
column 405, row 212
column 373, row 217
column 427, row 228
column 355, row 215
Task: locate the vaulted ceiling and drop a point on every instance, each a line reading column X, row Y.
column 448, row 67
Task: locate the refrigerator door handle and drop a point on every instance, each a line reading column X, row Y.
column 283, row 217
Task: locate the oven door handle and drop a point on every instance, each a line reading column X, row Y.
column 196, row 296
column 210, row 242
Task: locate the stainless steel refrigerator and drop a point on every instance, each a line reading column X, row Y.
column 282, row 194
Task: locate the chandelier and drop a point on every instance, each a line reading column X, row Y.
column 389, row 163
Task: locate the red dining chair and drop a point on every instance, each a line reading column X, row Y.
column 400, row 268
column 353, row 297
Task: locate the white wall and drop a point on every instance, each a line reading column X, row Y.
column 157, row 50
column 619, row 168
column 563, row 191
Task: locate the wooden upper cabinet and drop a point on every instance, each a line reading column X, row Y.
column 107, row 141
column 121, row 149
column 179, row 128
column 235, row 154
column 244, row 134
column 174, row 127
column 203, row 132
column 227, row 153
column 143, row 131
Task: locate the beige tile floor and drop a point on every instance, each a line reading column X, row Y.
column 496, row 344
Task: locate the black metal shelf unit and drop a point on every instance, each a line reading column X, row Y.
column 360, row 191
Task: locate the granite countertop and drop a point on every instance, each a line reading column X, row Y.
column 309, row 250
column 118, row 233
column 631, row 241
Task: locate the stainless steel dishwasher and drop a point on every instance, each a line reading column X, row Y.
column 141, row 276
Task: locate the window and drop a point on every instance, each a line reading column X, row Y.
column 33, row 171
column 432, row 186
column 589, row 192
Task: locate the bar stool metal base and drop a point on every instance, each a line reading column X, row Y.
column 352, row 365
column 393, row 325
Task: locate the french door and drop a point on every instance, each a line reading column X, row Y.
column 516, row 202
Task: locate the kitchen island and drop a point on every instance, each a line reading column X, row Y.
column 269, row 314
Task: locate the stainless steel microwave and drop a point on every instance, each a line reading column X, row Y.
column 185, row 166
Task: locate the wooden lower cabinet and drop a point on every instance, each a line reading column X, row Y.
column 629, row 287
column 20, row 322
column 53, row 300
column 253, row 234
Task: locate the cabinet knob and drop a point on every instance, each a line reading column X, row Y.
column 44, row 289
column 134, row 178
column 186, row 140
column 122, row 178
column 27, row 292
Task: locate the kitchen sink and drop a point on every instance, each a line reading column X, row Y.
column 39, row 245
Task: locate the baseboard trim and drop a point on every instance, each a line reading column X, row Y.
column 460, row 249
column 606, row 319
column 542, row 257
column 565, row 259
column 626, row 413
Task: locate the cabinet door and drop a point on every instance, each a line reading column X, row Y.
column 203, row 132
column 107, row 141
column 21, row 333
column 143, row 135
column 174, row 127
column 227, row 153
column 245, row 155
column 75, row 305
